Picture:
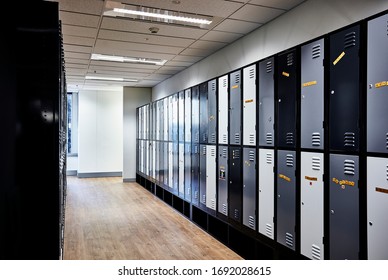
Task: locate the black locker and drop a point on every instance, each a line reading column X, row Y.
column 195, row 115
column 223, row 180
column 212, row 112
column 181, row 116
column 175, row 159
column 187, row 172
column 235, row 108
column 249, row 187
column 344, row 88
column 174, row 108
column 161, row 162
column 202, row 174
column 167, row 154
column 235, row 183
column 287, row 94
column 203, row 113
column 195, row 174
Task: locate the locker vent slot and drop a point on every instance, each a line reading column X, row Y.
column 289, row 239
column 290, row 59
column 224, row 209
column 213, row 138
column 269, row 158
column 316, row 51
column 204, row 198
column 236, row 154
column 213, row 86
column 269, row 138
column 196, row 195
column 350, row 40
column 316, row 163
column 349, row 139
column 315, row 252
column 237, row 138
column 349, row 167
column 224, row 83
column 290, row 138
column 386, row 138
column 251, row 73
column 251, row 222
column 225, row 139
column 204, row 150
column 236, row 214
column 196, row 149
column 269, row 66
column 387, row 172
column 252, row 156
column 290, row 160
column 237, row 79
column 188, row 192
column 213, row 204
column 316, row 139
column 268, row 230
column 212, row 152
column 224, row 153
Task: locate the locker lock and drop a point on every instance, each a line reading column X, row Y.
column 332, row 212
column 370, row 223
column 280, row 100
column 370, row 86
column 332, row 92
column 278, row 195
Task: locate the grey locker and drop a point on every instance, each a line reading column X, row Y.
column 169, row 119
column 188, row 171
column 157, row 160
column 344, row 207
column 223, row 109
column 202, row 174
column 286, row 198
column 266, row 192
column 153, row 160
column 212, row 112
column 181, row 171
column 377, row 85
column 266, row 103
column 312, row 98
column 211, row 181
column 166, row 116
column 146, row 121
column 153, row 126
column 195, row 160
column 138, row 121
column 195, row 114
column 344, row 88
column 168, row 163
column 161, row 162
column 377, row 208
column 181, row 116
column 147, row 157
column 223, row 180
column 187, row 115
column 235, row 184
column 249, row 187
column 158, row 119
column 203, row 113
column 235, row 108
column 311, row 209
column 141, row 157
column 175, row 118
column 249, row 106
column 175, row 166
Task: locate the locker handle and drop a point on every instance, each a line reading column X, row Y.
column 332, row 212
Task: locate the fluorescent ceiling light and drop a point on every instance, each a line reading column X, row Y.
column 114, row 58
column 109, row 79
column 163, row 16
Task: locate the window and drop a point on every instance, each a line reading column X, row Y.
column 72, row 124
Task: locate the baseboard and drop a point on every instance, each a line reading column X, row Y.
column 71, row 172
column 129, row 180
column 99, row 174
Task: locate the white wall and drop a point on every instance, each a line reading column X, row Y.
column 309, row 20
column 133, row 98
column 100, row 132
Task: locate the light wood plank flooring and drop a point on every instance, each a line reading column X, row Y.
column 107, row 219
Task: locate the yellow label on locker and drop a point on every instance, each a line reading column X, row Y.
column 338, row 58
column 284, row 177
column 344, row 182
column 309, row 84
column 212, row 117
column 235, row 86
column 311, row 178
column 381, row 84
column 249, row 101
column 381, row 190
column 285, row 74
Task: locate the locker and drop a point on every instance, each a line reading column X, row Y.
column 138, row 115
column 146, row 157
column 157, row 160
column 312, row 99
column 212, row 112
column 158, row 119
column 195, row 114
column 377, row 89
column 141, row 156
column 166, row 109
column 195, row 174
column 202, row 174
column 188, row 171
column 266, row 192
column 249, row 187
column 249, row 106
column 181, row 170
column 168, row 163
column 235, row 108
column 266, row 103
column 203, row 113
column 286, row 188
column 153, row 160
column 162, row 118
column 187, row 115
column 287, row 78
column 162, row 159
column 344, row 89
column 146, row 123
column 211, row 171
column 223, row 109
column 377, row 207
column 153, row 126
column 170, row 118
column 235, row 183
column 344, row 207
column 143, row 123
column 175, row 118
column 175, row 166
column 223, row 180
column 311, row 210
column 181, row 116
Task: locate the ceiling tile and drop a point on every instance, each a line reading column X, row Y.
column 71, row 18
column 159, row 77
column 187, row 58
column 219, row 36
column 77, row 55
column 207, row 45
column 197, row 52
column 76, row 71
column 281, row 4
column 236, row 26
column 85, row 6
column 166, row 71
column 173, row 68
column 76, row 40
column 76, row 61
column 79, row 31
column 74, row 65
column 179, row 63
column 80, row 49
column 257, row 14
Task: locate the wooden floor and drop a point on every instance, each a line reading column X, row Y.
column 107, row 219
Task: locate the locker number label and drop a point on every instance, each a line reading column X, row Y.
column 381, row 190
column 311, row 178
column 338, row 58
column 249, row 101
column 235, row 86
column 284, row 177
column 309, row 84
column 344, row 183
column 381, row 84
column 285, row 74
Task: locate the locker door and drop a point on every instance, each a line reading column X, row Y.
column 223, row 109
column 223, row 180
column 344, row 89
column 311, row 210
column 146, row 122
column 195, row 173
column 249, row 188
column 157, row 160
column 235, row 183
column 147, row 157
column 377, row 207
column 170, row 118
column 187, row 115
column 203, row 113
column 287, row 78
column 181, row 170
column 166, row 116
column 181, row 116
column 195, row 114
column 168, row 163
column 138, row 124
column 286, row 198
column 266, row 192
column 154, row 160
column 211, row 170
column 143, row 123
column 141, row 142
column 235, row 108
column 187, row 171
column 158, row 117
column 344, row 207
column 175, row 165
column 377, row 81
column 266, row 102
column 175, row 118
column 249, row 108
column 312, row 102
column 161, row 162
column 212, row 112
column 202, row 174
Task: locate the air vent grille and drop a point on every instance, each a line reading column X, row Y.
column 386, row 140
column 251, row 73
column 315, row 252
column 269, row 138
column 204, row 150
column 269, row 158
column 290, row 59
column 196, row 149
column 252, row 156
column 204, row 199
column 349, row 139
column 212, row 151
column 237, row 138
column 349, row 167
column 350, row 40
column 268, row 230
column 251, row 138
column 213, row 204
column 236, row 214
column 387, row 172
column 237, row 78
column 316, row 163
column 251, row 222
column 224, row 209
column 213, row 86
column 289, row 240
column 316, row 139
column 224, row 153
column 290, row 160
column 316, row 51
column 224, row 83
column 290, row 138
column 236, row 154
column 213, row 138
column 269, row 66
column 224, row 139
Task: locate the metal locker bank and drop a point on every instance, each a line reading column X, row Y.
column 223, row 180
column 203, row 113
column 223, row 109
column 195, row 174
column 195, row 115
column 174, row 108
column 202, row 174
column 211, row 181
column 249, row 106
column 212, row 112
column 187, row 115
column 181, row 117
column 235, row 108
column 235, row 183
column 249, row 187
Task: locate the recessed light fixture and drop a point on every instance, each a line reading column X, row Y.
column 109, row 79
column 115, row 58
